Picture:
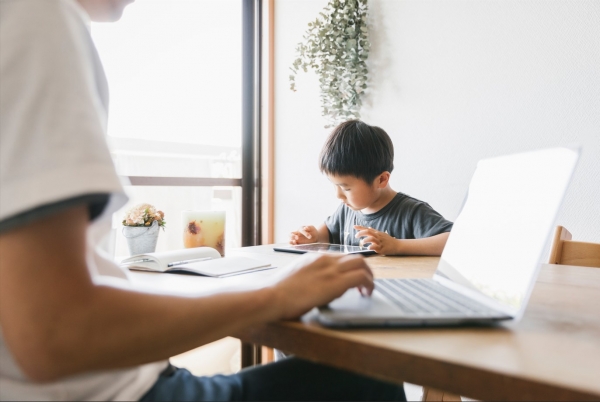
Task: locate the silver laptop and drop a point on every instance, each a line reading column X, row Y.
column 493, row 255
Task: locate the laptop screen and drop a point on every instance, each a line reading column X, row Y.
column 497, row 241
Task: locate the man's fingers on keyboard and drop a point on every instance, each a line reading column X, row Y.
column 354, row 263
column 361, row 279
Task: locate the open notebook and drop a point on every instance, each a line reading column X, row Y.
column 200, row 261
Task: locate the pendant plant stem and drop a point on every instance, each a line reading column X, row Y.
column 336, row 46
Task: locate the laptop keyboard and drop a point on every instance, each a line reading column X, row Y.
column 426, row 296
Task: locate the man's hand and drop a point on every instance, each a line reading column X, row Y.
column 381, row 243
column 319, row 279
column 305, row 235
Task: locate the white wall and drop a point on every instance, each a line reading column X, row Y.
column 451, row 82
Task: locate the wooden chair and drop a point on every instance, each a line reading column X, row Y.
column 568, row 252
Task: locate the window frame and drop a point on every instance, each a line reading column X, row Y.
column 250, row 182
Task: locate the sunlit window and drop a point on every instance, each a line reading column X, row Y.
column 174, row 72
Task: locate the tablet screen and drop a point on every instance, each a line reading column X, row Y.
column 325, row 248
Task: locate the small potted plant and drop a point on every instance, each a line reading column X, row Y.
column 140, row 227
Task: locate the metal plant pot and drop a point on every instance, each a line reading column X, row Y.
column 141, row 239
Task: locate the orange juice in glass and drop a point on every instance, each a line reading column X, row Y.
column 204, row 229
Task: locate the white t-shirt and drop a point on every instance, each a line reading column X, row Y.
column 53, row 109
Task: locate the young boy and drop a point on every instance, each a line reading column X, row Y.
column 358, row 159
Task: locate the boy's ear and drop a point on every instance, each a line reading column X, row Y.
column 382, row 180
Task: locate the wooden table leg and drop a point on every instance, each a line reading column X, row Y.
column 267, row 355
column 257, row 354
column 251, row 354
column 430, row 394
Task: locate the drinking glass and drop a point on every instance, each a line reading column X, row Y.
column 204, row 229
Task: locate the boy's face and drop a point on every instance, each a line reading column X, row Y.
column 354, row 192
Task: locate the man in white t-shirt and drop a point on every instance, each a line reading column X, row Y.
column 66, row 335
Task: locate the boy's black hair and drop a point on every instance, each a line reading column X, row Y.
column 357, row 149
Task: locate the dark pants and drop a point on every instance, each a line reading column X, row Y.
column 289, row 379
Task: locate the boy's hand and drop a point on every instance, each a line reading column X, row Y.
column 304, row 235
column 381, row 243
column 318, row 279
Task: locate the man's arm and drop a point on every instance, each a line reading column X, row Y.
column 57, row 322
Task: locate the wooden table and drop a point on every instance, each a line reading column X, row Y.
column 553, row 353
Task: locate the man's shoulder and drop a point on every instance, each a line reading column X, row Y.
column 43, row 5
column 41, row 16
column 50, row 8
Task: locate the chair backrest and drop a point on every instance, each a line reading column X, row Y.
column 568, row 252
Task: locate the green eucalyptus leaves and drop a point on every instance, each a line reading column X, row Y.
column 336, row 45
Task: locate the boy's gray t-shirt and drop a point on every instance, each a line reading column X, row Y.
column 404, row 217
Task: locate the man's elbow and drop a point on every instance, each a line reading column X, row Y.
column 40, row 360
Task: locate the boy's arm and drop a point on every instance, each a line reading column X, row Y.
column 433, row 245
column 383, row 243
column 323, row 234
column 56, row 322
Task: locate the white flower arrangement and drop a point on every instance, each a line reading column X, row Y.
column 144, row 215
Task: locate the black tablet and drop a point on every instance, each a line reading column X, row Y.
column 325, row 248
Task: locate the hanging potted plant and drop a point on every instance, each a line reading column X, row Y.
column 140, row 228
column 336, row 46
